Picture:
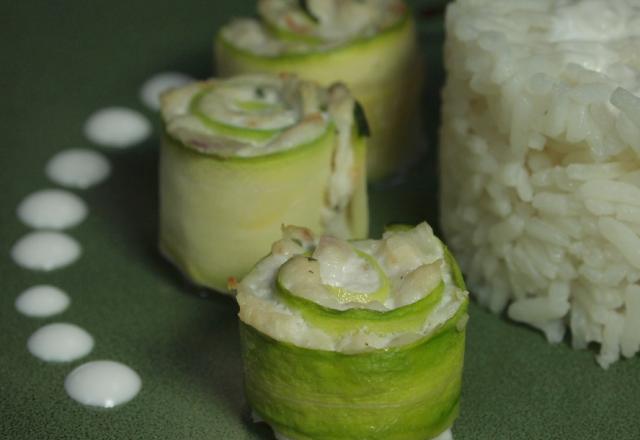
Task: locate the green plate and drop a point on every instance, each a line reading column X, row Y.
column 63, row 60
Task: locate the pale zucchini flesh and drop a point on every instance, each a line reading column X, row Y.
column 220, row 210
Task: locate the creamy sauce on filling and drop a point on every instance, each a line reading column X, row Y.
column 326, row 24
column 78, row 168
column 45, row 251
column 42, row 301
column 397, row 261
column 52, row 209
column 60, row 342
column 103, row 384
column 158, row 84
column 245, row 116
column 249, row 106
column 413, row 262
column 341, row 266
column 117, row 127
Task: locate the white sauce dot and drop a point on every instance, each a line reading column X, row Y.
column 103, row 383
column 446, row 435
column 41, row 301
column 60, row 342
column 78, row 168
column 117, row 127
column 52, row 209
column 45, row 250
column 159, row 83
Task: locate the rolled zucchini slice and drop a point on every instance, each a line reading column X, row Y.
column 244, row 155
column 368, row 44
column 383, row 361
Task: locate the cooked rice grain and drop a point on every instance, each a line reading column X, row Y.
column 540, row 164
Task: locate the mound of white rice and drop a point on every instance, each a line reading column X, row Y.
column 540, row 164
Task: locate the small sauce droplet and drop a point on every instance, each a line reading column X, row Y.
column 42, row 301
column 78, row 168
column 103, row 383
column 52, row 209
column 60, row 342
column 159, row 83
column 446, row 435
column 44, row 250
column 117, row 127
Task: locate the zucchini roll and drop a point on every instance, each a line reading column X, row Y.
column 368, row 44
column 244, row 155
column 354, row 339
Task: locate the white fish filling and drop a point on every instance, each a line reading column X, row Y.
column 324, row 25
column 413, row 261
column 252, row 115
column 341, row 267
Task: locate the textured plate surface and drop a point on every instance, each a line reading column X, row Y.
column 63, row 60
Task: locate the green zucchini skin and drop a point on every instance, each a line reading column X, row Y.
column 410, row 392
column 384, row 72
column 455, row 269
column 407, row 388
column 217, row 220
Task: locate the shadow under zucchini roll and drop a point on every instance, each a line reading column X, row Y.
column 370, row 45
column 244, row 155
column 354, row 339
